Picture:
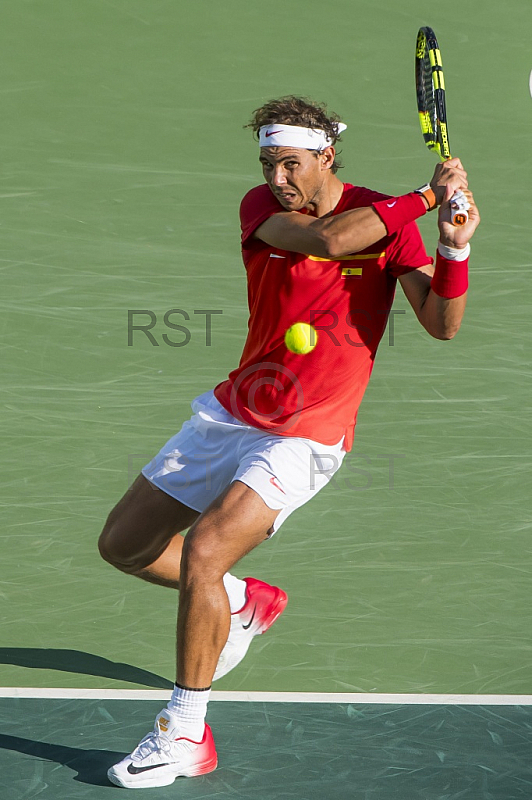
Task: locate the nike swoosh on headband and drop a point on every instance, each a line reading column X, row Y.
column 278, row 134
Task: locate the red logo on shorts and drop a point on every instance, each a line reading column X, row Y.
column 273, row 481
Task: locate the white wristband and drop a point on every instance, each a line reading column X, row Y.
column 454, row 253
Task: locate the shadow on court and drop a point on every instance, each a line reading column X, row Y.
column 81, row 663
column 91, row 765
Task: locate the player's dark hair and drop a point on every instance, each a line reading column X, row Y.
column 302, row 111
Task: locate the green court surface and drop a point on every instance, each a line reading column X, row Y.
column 279, row 750
column 124, row 159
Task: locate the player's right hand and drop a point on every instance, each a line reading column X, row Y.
column 450, row 173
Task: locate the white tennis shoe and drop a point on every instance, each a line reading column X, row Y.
column 163, row 755
column 263, row 606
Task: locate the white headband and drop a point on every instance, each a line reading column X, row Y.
column 294, row 136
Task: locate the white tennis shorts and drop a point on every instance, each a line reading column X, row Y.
column 213, row 449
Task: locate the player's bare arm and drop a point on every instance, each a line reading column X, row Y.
column 304, row 182
column 331, row 237
column 441, row 316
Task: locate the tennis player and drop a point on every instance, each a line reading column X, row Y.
column 268, row 438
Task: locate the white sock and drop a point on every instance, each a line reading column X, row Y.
column 236, row 592
column 190, row 705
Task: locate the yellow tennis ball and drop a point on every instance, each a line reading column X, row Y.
column 301, row 338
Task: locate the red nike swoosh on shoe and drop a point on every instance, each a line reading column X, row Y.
column 272, row 480
column 272, row 133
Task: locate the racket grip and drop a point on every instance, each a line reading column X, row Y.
column 459, row 215
column 459, row 218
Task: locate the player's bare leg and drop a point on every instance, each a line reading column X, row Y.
column 140, row 536
column 181, row 743
column 230, row 528
column 165, row 570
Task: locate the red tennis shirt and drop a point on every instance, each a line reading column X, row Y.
column 347, row 300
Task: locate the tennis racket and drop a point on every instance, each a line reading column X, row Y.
column 430, row 89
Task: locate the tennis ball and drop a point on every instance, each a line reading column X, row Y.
column 301, row 338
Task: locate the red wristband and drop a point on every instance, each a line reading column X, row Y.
column 450, row 277
column 396, row 212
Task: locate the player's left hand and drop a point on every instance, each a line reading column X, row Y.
column 453, row 236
